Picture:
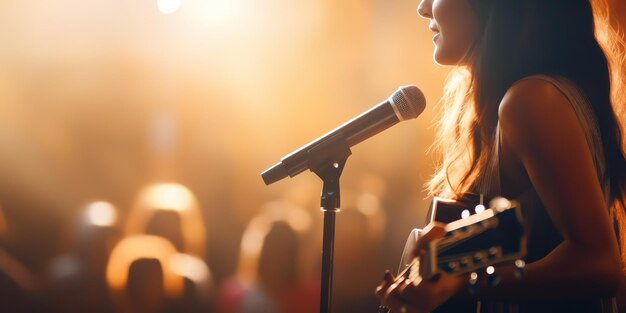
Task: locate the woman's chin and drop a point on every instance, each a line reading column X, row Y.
column 443, row 59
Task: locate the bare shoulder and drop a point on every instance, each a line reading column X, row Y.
column 535, row 115
column 533, row 100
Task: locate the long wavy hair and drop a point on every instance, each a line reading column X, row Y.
column 569, row 38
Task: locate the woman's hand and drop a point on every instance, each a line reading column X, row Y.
column 420, row 295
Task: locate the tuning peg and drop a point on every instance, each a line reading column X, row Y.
column 479, row 257
column 492, row 278
column 495, row 252
column 520, row 266
column 473, row 283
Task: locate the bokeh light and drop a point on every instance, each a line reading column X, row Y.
column 189, row 266
column 101, row 213
column 169, row 196
column 168, row 6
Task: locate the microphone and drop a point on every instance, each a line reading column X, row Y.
column 406, row 103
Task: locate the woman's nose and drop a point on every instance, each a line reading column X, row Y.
column 423, row 9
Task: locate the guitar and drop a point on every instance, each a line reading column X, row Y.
column 480, row 239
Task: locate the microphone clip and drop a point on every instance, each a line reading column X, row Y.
column 327, row 161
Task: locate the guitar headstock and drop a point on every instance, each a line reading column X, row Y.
column 489, row 237
column 481, row 239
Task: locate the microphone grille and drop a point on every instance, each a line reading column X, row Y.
column 408, row 102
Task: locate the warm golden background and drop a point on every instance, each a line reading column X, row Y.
column 101, row 98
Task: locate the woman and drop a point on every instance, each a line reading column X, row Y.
column 532, row 96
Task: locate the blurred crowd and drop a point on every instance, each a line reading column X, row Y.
column 152, row 259
column 98, row 97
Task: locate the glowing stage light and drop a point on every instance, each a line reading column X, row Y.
column 168, row 6
column 101, row 213
column 170, row 196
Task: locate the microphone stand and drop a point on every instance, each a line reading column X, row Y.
column 328, row 161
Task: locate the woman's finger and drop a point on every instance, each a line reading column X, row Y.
column 388, row 279
column 394, row 300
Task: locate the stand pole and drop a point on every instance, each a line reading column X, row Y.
column 330, row 201
column 328, row 249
